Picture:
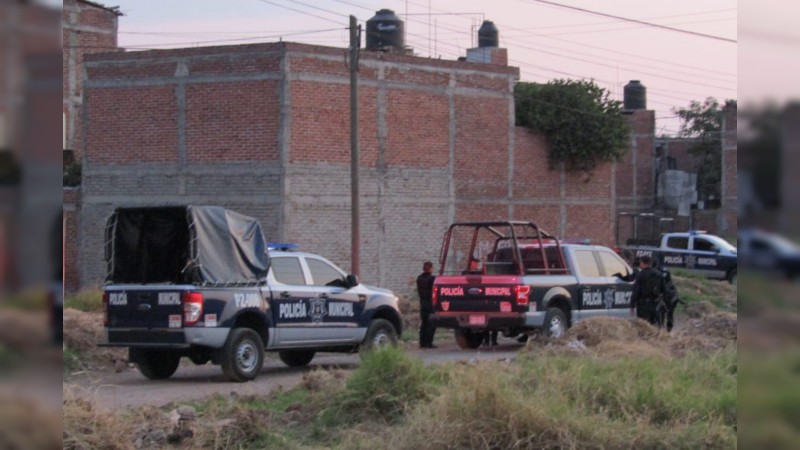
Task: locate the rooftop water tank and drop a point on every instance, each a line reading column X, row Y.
column 634, row 96
column 385, row 31
column 488, row 35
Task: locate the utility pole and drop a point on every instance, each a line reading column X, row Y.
column 355, row 236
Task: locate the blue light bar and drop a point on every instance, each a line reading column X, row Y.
column 282, row 246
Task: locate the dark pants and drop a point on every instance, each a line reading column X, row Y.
column 426, row 330
column 490, row 338
column 647, row 311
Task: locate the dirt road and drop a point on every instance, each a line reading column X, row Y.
column 129, row 388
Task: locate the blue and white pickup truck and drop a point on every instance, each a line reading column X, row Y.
column 695, row 251
column 201, row 282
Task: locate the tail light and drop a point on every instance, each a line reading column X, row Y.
column 105, row 309
column 521, row 292
column 192, row 307
column 435, row 296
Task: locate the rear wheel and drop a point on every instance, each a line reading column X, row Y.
column 155, row 364
column 243, row 355
column 381, row 333
column 296, row 358
column 555, row 323
column 468, row 339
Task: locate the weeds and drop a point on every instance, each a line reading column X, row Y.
column 386, row 384
column 86, row 301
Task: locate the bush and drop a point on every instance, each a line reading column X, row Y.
column 387, row 383
column 86, row 301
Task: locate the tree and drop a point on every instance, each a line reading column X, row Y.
column 703, row 122
column 581, row 124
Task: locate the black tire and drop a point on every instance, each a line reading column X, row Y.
column 468, row 339
column 296, row 358
column 555, row 323
column 155, row 364
column 732, row 277
column 243, row 355
column 380, row 333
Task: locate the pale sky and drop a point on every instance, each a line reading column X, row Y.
column 543, row 40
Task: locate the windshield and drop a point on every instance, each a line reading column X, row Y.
column 722, row 244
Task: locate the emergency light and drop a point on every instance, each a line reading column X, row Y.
column 282, row 246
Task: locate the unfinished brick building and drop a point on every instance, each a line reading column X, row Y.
column 264, row 129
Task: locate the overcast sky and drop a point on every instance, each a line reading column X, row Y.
column 544, row 40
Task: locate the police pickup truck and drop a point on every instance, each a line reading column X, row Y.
column 695, row 251
column 201, row 282
column 516, row 278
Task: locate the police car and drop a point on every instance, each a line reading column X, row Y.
column 695, row 251
column 201, row 282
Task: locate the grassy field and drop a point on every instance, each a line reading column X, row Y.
column 609, row 383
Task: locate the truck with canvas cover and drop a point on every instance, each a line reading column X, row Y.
column 202, row 282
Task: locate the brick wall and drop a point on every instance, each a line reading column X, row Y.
column 264, row 129
column 635, row 173
column 87, row 28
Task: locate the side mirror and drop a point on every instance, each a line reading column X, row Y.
column 351, row 281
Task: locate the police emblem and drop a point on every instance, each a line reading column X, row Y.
column 608, row 298
column 316, row 310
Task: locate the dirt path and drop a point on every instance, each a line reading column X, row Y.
column 129, row 388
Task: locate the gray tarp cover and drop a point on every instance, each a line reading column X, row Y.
column 190, row 244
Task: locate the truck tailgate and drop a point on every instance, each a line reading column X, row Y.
column 145, row 307
column 479, row 293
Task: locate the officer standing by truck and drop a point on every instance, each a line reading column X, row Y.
column 648, row 288
column 425, row 291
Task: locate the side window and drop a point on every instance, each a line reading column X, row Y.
column 758, row 244
column 323, row 273
column 587, row 266
column 704, row 245
column 287, row 270
column 613, row 264
column 678, row 243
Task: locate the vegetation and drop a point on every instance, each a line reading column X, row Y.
column 583, row 126
column 703, row 121
column 86, row 301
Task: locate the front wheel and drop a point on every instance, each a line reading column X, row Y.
column 381, row 333
column 468, row 339
column 555, row 323
column 243, row 355
column 296, row 358
column 155, row 364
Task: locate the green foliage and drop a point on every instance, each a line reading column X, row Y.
column 703, row 121
column 583, row 126
column 386, row 383
column 87, row 301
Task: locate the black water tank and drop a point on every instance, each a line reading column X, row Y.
column 635, row 96
column 385, row 31
column 488, row 35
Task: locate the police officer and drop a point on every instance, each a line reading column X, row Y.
column 648, row 289
column 671, row 299
column 425, row 291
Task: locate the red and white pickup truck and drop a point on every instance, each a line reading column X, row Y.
column 516, row 278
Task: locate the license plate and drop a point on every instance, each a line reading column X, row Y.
column 175, row 321
column 477, row 320
column 505, row 307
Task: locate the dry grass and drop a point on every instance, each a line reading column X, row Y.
column 25, row 425
column 82, row 332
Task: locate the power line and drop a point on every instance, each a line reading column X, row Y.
column 616, row 21
column 299, row 33
column 641, row 22
column 303, row 12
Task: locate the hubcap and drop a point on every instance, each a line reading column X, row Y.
column 556, row 327
column 381, row 339
column 246, row 356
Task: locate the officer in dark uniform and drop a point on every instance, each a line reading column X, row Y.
column 671, row 300
column 425, row 291
column 648, row 290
